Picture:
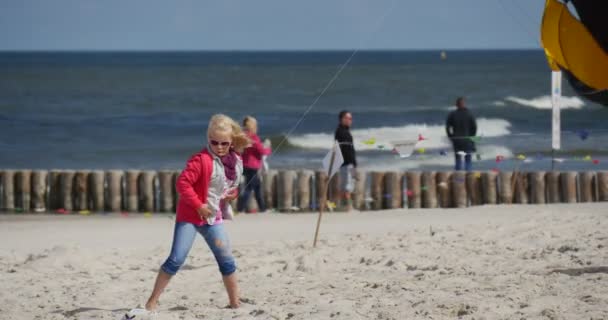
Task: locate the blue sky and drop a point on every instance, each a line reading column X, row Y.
column 268, row 24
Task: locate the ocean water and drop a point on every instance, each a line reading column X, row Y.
column 150, row 109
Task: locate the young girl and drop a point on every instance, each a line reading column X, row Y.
column 205, row 187
column 253, row 159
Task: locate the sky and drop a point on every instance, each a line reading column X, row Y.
column 268, row 24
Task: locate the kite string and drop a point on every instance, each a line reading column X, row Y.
column 335, row 76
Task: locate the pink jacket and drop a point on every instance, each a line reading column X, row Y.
column 252, row 156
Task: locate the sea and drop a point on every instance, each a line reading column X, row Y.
column 149, row 110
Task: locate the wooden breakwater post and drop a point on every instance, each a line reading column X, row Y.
column 131, row 192
column 413, row 192
column 97, row 187
column 429, row 189
column 586, row 182
column 553, row 187
column 443, row 189
column 39, row 190
column 602, row 185
column 66, row 184
column 358, row 196
column 145, row 191
column 7, row 179
column 520, row 187
column 270, row 188
column 304, row 189
column 505, row 188
column 537, row 187
column 377, row 189
column 489, row 187
column 321, row 187
column 53, row 197
column 166, row 186
column 392, row 190
column 335, row 190
column 459, row 189
column 114, row 190
column 568, row 183
column 23, row 187
column 81, row 190
column 473, row 186
column 285, row 190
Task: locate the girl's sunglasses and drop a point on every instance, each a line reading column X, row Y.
column 219, row 143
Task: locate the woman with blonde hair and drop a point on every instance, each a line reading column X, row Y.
column 209, row 180
column 252, row 162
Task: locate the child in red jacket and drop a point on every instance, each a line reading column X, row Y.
column 205, row 187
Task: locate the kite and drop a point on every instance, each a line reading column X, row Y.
column 475, row 138
column 521, row 157
column 404, row 148
column 583, row 134
column 331, row 205
column 596, row 161
column 500, row 159
column 578, row 46
column 370, row 141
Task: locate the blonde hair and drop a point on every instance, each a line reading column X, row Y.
column 224, row 123
column 250, row 124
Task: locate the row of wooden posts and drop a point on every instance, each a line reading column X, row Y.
column 303, row 190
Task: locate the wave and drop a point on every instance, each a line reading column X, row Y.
column 487, row 152
column 544, row 102
column 384, row 136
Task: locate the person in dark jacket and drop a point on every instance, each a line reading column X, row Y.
column 347, row 171
column 461, row 127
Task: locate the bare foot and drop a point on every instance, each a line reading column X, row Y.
column 151, row 305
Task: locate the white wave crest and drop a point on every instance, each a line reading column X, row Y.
column 434, row 135
column 487, row 152
column 544, row 102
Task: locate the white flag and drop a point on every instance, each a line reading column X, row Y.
column 338, row 160
column 556, row 94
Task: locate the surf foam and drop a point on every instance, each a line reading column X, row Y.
column 544, row 102
column 435, row 135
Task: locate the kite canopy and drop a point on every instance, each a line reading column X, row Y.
column 578, row 47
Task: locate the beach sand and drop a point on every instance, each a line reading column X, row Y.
column 487, row 262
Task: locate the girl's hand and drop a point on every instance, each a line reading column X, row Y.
column 233, row 194
column 204, row 212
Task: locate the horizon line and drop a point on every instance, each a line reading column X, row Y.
column 251, row 50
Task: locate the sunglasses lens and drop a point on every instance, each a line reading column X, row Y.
column 217, row 143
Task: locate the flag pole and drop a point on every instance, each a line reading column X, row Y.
column 322, row 204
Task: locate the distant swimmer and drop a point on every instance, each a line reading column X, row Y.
column 461, row 127
column 443, row 55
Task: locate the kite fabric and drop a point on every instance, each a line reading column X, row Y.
column 579, row 48
column 338, row 160
column 405, row 148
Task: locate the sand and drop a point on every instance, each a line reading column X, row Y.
column 489, row 262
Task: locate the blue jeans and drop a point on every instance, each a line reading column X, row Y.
column 252, row 184
column 467, row 162
column 216, row 239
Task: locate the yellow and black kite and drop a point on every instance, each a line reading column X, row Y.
column 577, row 44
